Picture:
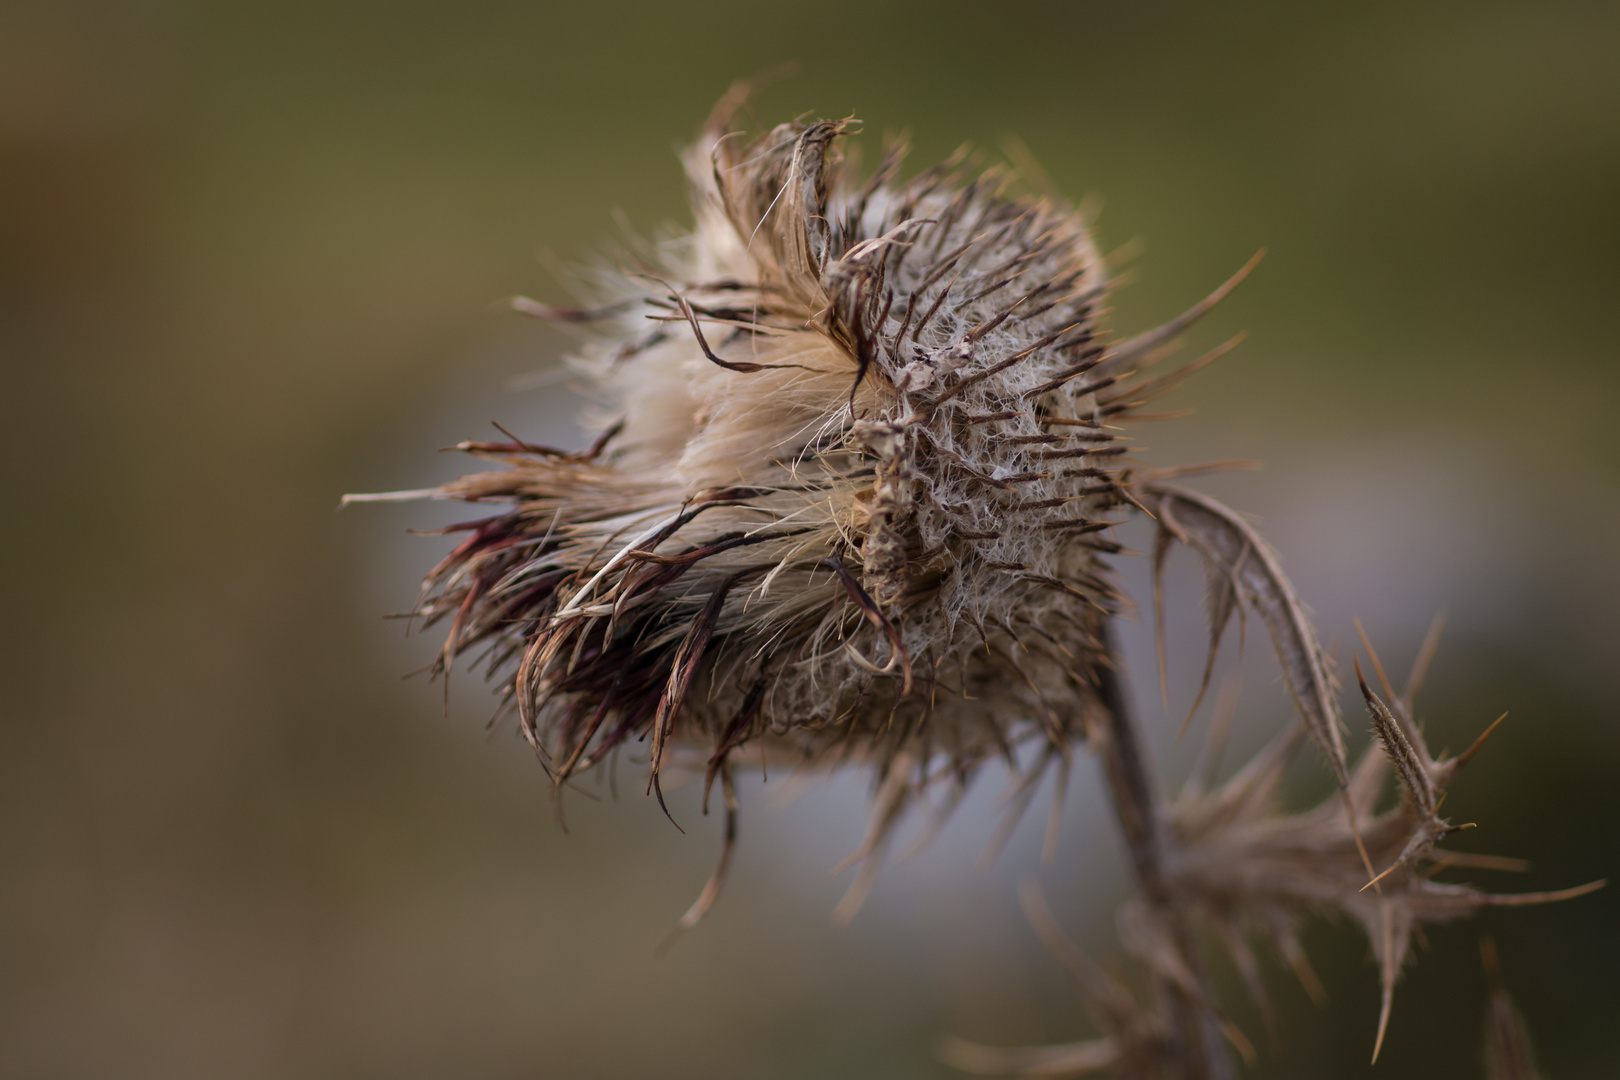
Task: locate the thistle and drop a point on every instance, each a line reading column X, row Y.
column 867, row 439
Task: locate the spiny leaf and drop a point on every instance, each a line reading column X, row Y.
column 1409, row 766
column 1232, row 548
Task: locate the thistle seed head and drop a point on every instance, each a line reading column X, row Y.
column 863, row 445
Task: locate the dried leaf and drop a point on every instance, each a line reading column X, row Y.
column 1237, row 553
column 1409, row 767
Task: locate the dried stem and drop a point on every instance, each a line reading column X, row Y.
column 1135, row 793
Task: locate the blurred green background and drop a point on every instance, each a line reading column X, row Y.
column 246, row 255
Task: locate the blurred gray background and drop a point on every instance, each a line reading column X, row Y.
column 247, row 252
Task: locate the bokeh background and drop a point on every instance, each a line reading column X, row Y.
column 247, row 253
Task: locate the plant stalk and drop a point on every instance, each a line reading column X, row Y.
column 1139, row 806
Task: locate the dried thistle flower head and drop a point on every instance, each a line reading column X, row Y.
column 864, row 440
